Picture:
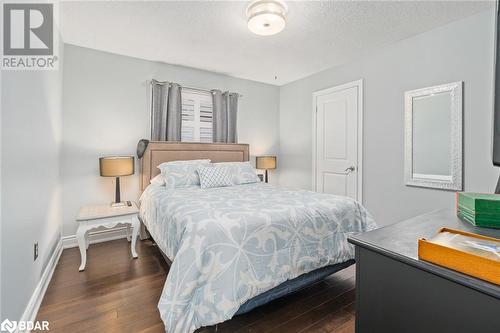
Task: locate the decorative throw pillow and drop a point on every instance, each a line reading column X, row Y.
column 214, row 176
column 241, row 172
column 181, row 173
column 158, row 180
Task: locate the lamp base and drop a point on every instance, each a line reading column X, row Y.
column 118, row 202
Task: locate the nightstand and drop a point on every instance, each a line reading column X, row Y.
column 91, row 217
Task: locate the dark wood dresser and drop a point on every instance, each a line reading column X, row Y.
column 396, row 292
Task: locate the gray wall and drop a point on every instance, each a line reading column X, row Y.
column 462, row 50
column 30, row 189
column 106, row 112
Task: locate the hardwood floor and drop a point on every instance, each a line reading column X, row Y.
column 119, row 294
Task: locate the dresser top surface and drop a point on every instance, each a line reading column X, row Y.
column 402, row 237
column 400, row 241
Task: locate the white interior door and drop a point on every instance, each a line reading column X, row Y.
column 338, row 140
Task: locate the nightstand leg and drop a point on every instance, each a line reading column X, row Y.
column 82, row 244
column 135, row 231
column 87, row 240
column 128, row 232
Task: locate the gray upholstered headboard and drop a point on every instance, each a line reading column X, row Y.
column 159, row 152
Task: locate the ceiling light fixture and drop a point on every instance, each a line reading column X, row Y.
column 266, row 17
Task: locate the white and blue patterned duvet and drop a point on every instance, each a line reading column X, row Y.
column 230, row 244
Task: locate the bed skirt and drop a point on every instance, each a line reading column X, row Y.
column 291, row 286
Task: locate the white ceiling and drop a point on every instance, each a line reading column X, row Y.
column 213, row 35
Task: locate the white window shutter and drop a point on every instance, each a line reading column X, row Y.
column 196, row 116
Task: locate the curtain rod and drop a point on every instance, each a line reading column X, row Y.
column 187, row 87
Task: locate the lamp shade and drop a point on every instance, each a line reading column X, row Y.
column 116, row 166
column 266, row 162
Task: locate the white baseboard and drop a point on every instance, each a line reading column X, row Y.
column 33, row 306
column 97, row 236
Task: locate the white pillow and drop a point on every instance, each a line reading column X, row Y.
column 214, row 176
column 181, row 173
column 157, row 180
column 241, row 172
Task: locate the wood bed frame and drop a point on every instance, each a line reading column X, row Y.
column 160, row 152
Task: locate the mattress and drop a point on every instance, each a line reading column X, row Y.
column 230, row 244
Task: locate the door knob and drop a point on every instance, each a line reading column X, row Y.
column 349, row 169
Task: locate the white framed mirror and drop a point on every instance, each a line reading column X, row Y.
column 433, row 137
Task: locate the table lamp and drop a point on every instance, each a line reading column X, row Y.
column 116, row 166
column 266, row 163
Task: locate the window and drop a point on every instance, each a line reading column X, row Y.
column 196, row 116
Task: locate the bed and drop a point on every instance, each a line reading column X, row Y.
column 235, row 248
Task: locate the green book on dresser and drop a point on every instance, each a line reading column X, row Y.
column 479, row 209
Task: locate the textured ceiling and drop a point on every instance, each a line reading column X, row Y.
column 213, row 35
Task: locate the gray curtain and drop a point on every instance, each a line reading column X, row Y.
column 166, row 111
column 224, row 116
column 232, row 113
